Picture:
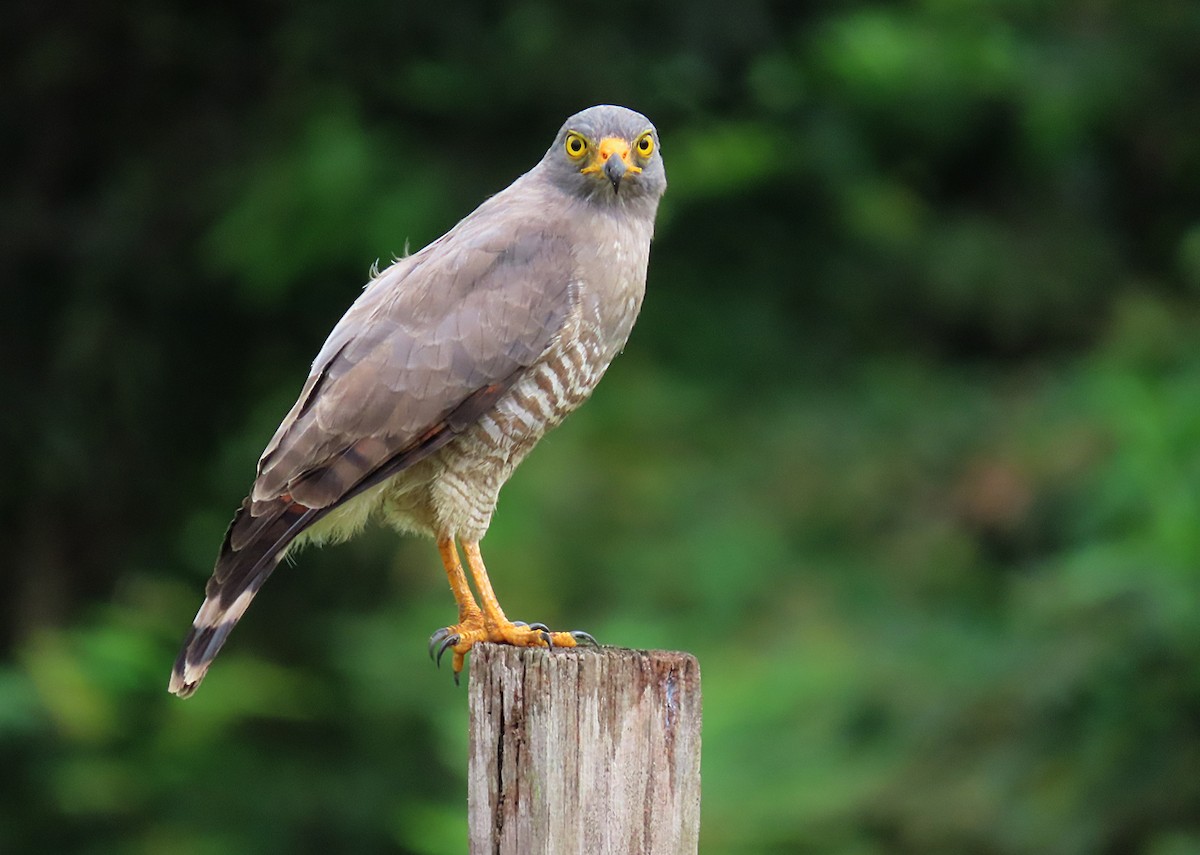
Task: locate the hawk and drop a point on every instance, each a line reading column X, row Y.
column 445, row 373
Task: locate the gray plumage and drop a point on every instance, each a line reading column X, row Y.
column 450, row 366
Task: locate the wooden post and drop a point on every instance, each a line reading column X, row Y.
column 584, row 752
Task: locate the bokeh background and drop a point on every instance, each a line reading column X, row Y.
column 905, row 447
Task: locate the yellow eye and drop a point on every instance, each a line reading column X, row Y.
column 645, row 144
column 576, row 145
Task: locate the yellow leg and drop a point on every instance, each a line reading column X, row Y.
column 493, row 615
column 500, row 629
column 470, row 619
column 467, row 609
column 486, row 621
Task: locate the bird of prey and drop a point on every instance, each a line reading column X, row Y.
column 445, row 372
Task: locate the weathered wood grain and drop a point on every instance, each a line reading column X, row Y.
column 584, row 752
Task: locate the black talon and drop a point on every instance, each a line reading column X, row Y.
column 519, row 623
column 446, row 645
column 538, row 626
column 545, row 634
column 585, row 637
column 436, row 637
column 456, row 678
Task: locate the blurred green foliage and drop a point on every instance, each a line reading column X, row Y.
column 905, row 448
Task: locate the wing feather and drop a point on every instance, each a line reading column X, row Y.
column 415, row 346
column 427, row 348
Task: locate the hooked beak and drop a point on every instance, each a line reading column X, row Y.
column 614, row 160
column 614, row 171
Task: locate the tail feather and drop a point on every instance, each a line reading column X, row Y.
column 262, row 530
column 254, row 544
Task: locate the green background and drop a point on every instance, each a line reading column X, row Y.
column 905, row 447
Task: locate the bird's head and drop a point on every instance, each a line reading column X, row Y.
column 607, row 153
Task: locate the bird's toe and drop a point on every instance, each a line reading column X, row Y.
column 582, row 637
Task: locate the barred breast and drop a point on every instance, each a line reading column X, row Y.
column 476, row 465
column 454, row 492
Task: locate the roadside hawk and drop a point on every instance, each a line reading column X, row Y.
column 445, row 372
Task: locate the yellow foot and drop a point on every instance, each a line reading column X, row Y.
column 463, row 636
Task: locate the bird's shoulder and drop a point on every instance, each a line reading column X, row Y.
column 429, row 333
column 509, row 264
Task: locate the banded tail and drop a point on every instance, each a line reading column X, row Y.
column 261, row 531
column 254, row 544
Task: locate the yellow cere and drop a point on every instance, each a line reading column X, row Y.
column 608, row 147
